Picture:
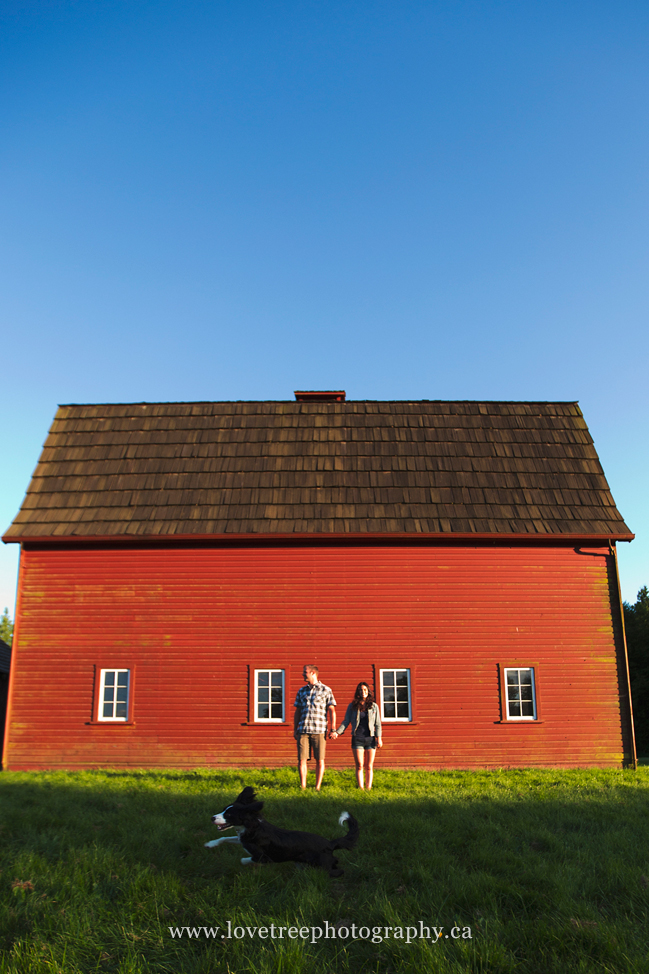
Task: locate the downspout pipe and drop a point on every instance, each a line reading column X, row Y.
column 613, row 551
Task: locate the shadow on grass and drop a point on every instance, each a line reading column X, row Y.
column 536, row 863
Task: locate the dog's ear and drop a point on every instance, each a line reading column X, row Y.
column 254, row 808
column 246, row 797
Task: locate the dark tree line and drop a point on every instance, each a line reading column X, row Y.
column 6, row 627
column 636, row 623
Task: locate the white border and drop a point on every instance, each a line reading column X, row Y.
column 269, row 720
column 396, row 720
column 518, row 669
column 100, row 705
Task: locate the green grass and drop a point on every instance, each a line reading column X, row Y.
column 549, row 869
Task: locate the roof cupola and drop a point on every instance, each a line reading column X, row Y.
column 301, row 396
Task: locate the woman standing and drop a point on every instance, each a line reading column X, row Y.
column 363, row 714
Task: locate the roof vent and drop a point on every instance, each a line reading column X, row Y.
column 319, row 396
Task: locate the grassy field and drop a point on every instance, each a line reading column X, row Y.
column 525, row 871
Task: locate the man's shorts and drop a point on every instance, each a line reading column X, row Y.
column 313, row 743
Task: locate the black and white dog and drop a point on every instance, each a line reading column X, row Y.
column 267, row 843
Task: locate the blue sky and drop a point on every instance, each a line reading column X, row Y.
column 233, row 200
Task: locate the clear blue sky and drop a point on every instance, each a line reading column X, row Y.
column 233, row 200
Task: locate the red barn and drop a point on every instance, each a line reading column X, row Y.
column 180, row 562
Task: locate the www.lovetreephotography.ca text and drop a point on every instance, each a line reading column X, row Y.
column 328, row 931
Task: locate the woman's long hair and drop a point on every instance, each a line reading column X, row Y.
column 358, row 702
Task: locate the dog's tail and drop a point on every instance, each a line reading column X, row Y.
column 348, row 841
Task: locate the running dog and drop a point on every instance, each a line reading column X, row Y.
column 268, row 843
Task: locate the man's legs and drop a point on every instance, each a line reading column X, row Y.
column 318, row 747
column 316, row 743
column 302, row 758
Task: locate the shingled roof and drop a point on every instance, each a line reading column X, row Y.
column 215, row 468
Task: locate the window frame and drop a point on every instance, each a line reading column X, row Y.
column 395, row 719
column 102, row 670
column 523, row 718
column 255, row 694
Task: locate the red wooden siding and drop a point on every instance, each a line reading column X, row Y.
column 193, row 623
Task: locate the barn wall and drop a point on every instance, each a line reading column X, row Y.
column 193, row 622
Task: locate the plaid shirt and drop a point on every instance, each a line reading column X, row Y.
column 312, row 702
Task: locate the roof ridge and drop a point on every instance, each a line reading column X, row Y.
column 292, row 402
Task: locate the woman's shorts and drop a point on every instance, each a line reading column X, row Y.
column 363, row 743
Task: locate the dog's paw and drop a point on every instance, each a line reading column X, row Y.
column 246, row 862
column 210, row 845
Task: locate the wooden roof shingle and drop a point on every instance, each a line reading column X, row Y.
column 421, row 467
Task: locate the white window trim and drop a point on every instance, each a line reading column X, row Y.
column 269, row 720
column 517, row 669
column 102, row 684
column 396, row 720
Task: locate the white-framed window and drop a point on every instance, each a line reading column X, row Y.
column 521, row 693
column 269, row 696
column 114, row 686
column 395, row 695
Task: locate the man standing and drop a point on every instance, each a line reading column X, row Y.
column 315, row 713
